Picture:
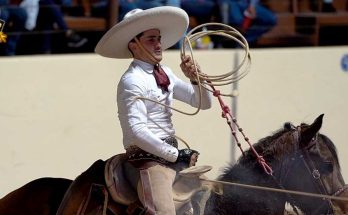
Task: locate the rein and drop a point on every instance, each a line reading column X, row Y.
column 294, row 192
column 341, row 190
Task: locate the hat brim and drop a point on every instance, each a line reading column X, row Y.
column 171, row 21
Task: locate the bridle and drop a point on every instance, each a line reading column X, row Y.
column 303, row 154
column 283, row 171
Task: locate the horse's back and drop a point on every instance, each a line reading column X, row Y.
column 24, row 200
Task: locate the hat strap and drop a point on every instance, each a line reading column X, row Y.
column 155, row 61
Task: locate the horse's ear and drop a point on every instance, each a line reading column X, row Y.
column 309, row 133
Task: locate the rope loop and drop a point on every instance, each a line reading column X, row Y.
column 226, row 31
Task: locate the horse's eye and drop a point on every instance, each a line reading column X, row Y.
column 326, row 167
column 309, row 147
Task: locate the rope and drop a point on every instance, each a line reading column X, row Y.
column 276, row 190
column 236, row 74
column 241, row 70
column 209, row 81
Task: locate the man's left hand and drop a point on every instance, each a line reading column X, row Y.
column 194, row 159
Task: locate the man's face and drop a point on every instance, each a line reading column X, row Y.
column 151, row 41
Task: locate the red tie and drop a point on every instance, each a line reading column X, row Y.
column 161, row 77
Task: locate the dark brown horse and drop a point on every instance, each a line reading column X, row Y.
column 41, row 196
column 302, row 160
column 45, row 195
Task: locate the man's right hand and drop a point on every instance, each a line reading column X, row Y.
column 188, row 67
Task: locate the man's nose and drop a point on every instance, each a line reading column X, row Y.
column 158, row 44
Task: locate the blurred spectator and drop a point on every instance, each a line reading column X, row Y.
column 201, row 11
column 32, row 9
column 250, row 17
column 50, row 15
column 15, row 18
column 100, row 6
column 328, row 7
column 128, row 5
column 43, row 17
column 325, row 6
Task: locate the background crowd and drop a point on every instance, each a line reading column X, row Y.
column 39, row 27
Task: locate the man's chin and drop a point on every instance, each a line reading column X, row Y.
column 158, row 57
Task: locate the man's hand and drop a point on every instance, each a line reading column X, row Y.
column 188, row 68
column 188, row 156
column 194, row 159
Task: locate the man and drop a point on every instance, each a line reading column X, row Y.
column 147, row 125
column 15, row 18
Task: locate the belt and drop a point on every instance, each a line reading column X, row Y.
column 134, row 153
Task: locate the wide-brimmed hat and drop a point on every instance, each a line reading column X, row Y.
column 171, row 21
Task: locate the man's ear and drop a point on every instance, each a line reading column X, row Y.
column 132, row 45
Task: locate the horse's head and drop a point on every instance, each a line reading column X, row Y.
column 302, row 159
column 312, row 167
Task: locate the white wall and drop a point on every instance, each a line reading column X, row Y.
column 58, row 113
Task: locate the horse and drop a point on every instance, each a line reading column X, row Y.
column 38, row 197
column 44, row 196
column 302, row 159
column 293, row 152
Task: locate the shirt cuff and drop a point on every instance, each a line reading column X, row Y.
column 170, row 153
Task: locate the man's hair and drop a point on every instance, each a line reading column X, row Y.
column 133, row 41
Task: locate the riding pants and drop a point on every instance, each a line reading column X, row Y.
column 161, row 179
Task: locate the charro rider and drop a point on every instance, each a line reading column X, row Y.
column 148, row 132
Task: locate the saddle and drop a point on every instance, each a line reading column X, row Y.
column 186, row 185
column 91, row 193
column 119, row 187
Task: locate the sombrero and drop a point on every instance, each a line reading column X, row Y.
column 171, row 21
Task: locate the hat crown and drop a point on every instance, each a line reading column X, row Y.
column 131, row 13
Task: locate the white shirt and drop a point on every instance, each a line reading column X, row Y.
column 140, row 119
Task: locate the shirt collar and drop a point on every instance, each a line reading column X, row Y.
column 145, row 66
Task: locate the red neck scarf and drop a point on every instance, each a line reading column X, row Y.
column 161, row 77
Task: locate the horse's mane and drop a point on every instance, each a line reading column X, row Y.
column 276, row 145
column 272, row 146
